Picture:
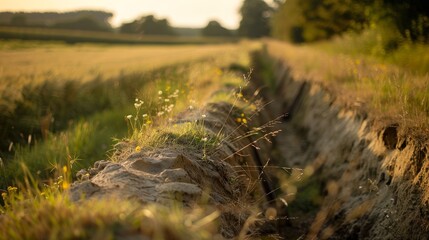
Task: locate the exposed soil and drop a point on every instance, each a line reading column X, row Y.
column 360, row 181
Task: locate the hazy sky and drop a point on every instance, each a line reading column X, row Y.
column 190, row 13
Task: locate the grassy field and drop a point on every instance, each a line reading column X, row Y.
column 66, row 102
column 90, row 96
column 392, row 88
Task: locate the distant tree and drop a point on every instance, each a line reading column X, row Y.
column 148, row 25
column 255, row 19
column 18, row 20
column 85, row 23
column 215, row 29
column 131, row 27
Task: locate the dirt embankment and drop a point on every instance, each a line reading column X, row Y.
column 371, row 182
column 225, row 178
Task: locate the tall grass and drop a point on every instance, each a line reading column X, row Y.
column 383, row 45
column 51, row 215
column 390, row 93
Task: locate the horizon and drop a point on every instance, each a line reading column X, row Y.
column 183, row 14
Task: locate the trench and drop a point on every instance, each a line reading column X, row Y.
column 329, row 174
column 357, row 181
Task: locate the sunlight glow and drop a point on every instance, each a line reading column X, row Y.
column 182, row 13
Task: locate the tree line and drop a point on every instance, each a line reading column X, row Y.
column 99, row 21
column 82, row 20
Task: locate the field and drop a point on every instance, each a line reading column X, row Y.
column 52, row 91
column 108, row 141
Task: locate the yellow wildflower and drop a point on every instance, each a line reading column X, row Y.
column 138, row 149
column 66, row 185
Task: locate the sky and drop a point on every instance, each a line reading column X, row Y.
column 180, row 13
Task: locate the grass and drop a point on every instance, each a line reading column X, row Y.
column 54, row 216
column 153, row 105
column 389, row 91
column 89, row 113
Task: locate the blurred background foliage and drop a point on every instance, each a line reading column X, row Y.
column 313, row 20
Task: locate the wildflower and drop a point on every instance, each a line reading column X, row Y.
column 239, row 95
column 144, row 115
column 66, row 185
column 191, row 107
column 160, row 113
column 129, row 116
column 11, row 189
column 166, row 100
column 159, row 92
column 204, row 139
column 204, row 116
column 138, row 105
column 238, row 120
column 4, row 195
column 138, row 149
column 65, row 169
column 244, row 120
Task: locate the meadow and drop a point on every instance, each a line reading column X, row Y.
column 133, row 97
column 64, row 102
